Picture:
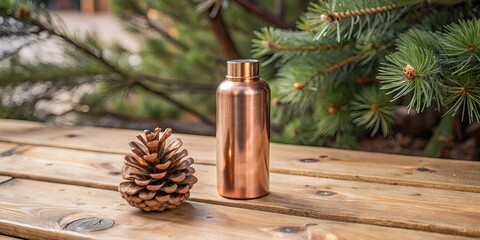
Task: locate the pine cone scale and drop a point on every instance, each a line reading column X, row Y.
column 132, row 162
column 130, row 188
column 190, row 171
column 150, row 157
column 142, row 183
column 146, row 195
column 158, row 176
column 184, row 165
column 154, row 188
column 162, row 198
column 163, row 166
column 179, row 177
column 137, row 146
column 183, row 189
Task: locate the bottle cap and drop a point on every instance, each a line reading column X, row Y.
column 243, row 69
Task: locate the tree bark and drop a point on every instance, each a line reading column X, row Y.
column 264, row 14
column 222, row 37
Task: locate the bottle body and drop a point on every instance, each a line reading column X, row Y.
column 243, row 138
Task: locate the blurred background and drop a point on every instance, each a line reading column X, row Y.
column 82, row 70
column 143, row 64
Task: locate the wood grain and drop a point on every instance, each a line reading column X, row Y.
column 4, row 179
column 7, row 149
column 289, row 159
column 3, row 237
column 32, row 209
column 425, row 209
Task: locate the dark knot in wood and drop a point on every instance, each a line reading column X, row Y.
column 90, row 224
column 309, row 160
column 12, row 151
column 115, row 173
column 423, row 169
column 8, row 153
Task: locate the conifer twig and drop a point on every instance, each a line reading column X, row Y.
column 176, row 102
column 264, row 14
column 276, row 46
column 80, row 47
column 334, row 16
column 340, row 64
column 142, row 14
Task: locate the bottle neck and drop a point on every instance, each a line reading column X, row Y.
column 242, row 79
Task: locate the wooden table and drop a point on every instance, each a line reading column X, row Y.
column 60, row 182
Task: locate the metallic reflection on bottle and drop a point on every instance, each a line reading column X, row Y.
column 243, row 132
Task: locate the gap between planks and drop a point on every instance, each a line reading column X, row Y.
column 83, row 168
column 4, row 179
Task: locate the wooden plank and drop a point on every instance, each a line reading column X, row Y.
column 7, row 148
column 27, row 205
column 4, row 179
column 3, row 237
column 289, row 159
column 424, row 209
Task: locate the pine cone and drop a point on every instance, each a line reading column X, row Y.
column 157, row 178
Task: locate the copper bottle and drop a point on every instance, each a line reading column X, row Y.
column 243, row 132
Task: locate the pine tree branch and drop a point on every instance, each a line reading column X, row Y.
column 304, row 4
column 184, row 84
column 264, row 14
column 350, row 60
column 167, row 36
column 334, row 16
column 47, row 78
column 117, row 70
column 142, row 14
column 340, row 64
column 181, row 105
column 280, row 9
column 276, row 46
column 80, row 47
column 223, row 36
column 441, row 138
